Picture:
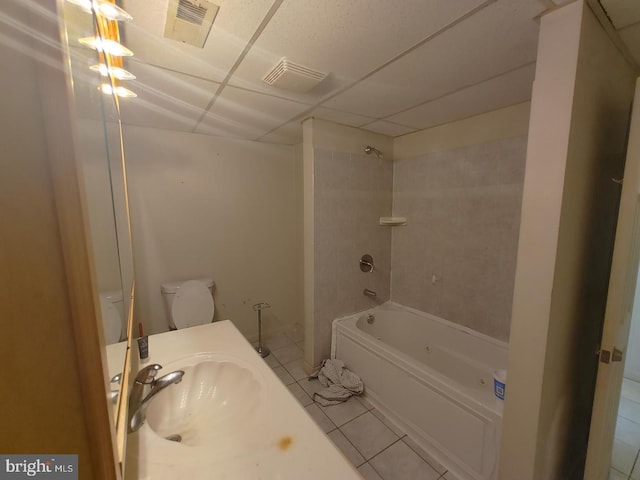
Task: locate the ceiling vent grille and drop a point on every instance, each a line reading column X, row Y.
column 190, row 12
column 292, row 76
column 190, row 21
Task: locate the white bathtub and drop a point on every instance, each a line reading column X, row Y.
column 431, row 377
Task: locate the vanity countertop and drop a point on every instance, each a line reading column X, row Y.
column 279, row 440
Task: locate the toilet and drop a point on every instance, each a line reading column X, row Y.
column 188, row 303
column 112, row 308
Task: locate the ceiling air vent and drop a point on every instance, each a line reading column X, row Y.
column 190, row 12
column 190, row 21
column 292, row 76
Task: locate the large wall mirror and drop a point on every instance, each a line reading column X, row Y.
column 98, row 145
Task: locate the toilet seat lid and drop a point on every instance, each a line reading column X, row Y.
column 111, row 322
column 193, row 305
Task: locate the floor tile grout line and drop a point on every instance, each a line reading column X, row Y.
column 380, row 453
column 348, row 421
column 632, row 420
column 351, row 443
column 374, row 468
column 354, row 446
column 418, row 453
column 400, row 439
column 328, row 417
column 635, row 461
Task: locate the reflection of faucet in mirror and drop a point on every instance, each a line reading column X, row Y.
column 112, row 396
column 138, row 401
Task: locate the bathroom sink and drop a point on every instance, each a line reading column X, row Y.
column 214, row 396
column 230, row 417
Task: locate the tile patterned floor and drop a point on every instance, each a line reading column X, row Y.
column 381, row 452
column 371, row 443
column 626, row 445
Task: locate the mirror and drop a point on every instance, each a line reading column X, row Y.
column 98, row 145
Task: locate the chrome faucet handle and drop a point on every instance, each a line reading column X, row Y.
column 112, row 396
column 261, row 306
column 162, row 383
column 147, row 375
column 169, row 378
column 138, row 405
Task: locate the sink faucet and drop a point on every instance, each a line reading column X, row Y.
column 146, row 382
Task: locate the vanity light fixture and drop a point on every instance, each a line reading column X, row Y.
column 117, row 90
column 104, row 8
column 107, row 43
column 115, row 72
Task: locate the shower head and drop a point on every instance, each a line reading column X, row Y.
column 369, row 149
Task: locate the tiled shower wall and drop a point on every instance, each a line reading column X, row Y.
column 456, row 257
column 351, row 193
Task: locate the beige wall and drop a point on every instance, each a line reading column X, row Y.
column 579, row 119
column 350, row 191
column 204, row 206
column 456, row 256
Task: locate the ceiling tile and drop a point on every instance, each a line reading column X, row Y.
column 388, row 128
column 622, row 12
column 508, row 89
column 497, row 39
column 166, row 99
column 247, row 114
column 234, row 26
column 347, row 39
column 337, row 116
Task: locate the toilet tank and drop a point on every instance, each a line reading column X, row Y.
column 112, row 324
column 169, row 291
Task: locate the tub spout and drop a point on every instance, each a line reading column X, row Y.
column 369, row 293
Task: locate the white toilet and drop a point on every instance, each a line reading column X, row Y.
column 112, row 309
column 189, row 303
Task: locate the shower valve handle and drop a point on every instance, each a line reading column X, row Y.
column 366, row 263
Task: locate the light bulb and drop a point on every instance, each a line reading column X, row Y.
column 110, row 47
column 112, row 12
column 118, row 91
column 116, row 72
column 106, row 9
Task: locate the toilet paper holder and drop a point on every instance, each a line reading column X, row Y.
column 258, row 307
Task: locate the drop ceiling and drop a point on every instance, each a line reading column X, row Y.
column 395, row 66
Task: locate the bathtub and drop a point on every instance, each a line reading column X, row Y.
column 433, row 379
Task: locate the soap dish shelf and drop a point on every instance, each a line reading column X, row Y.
column 393, row 221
